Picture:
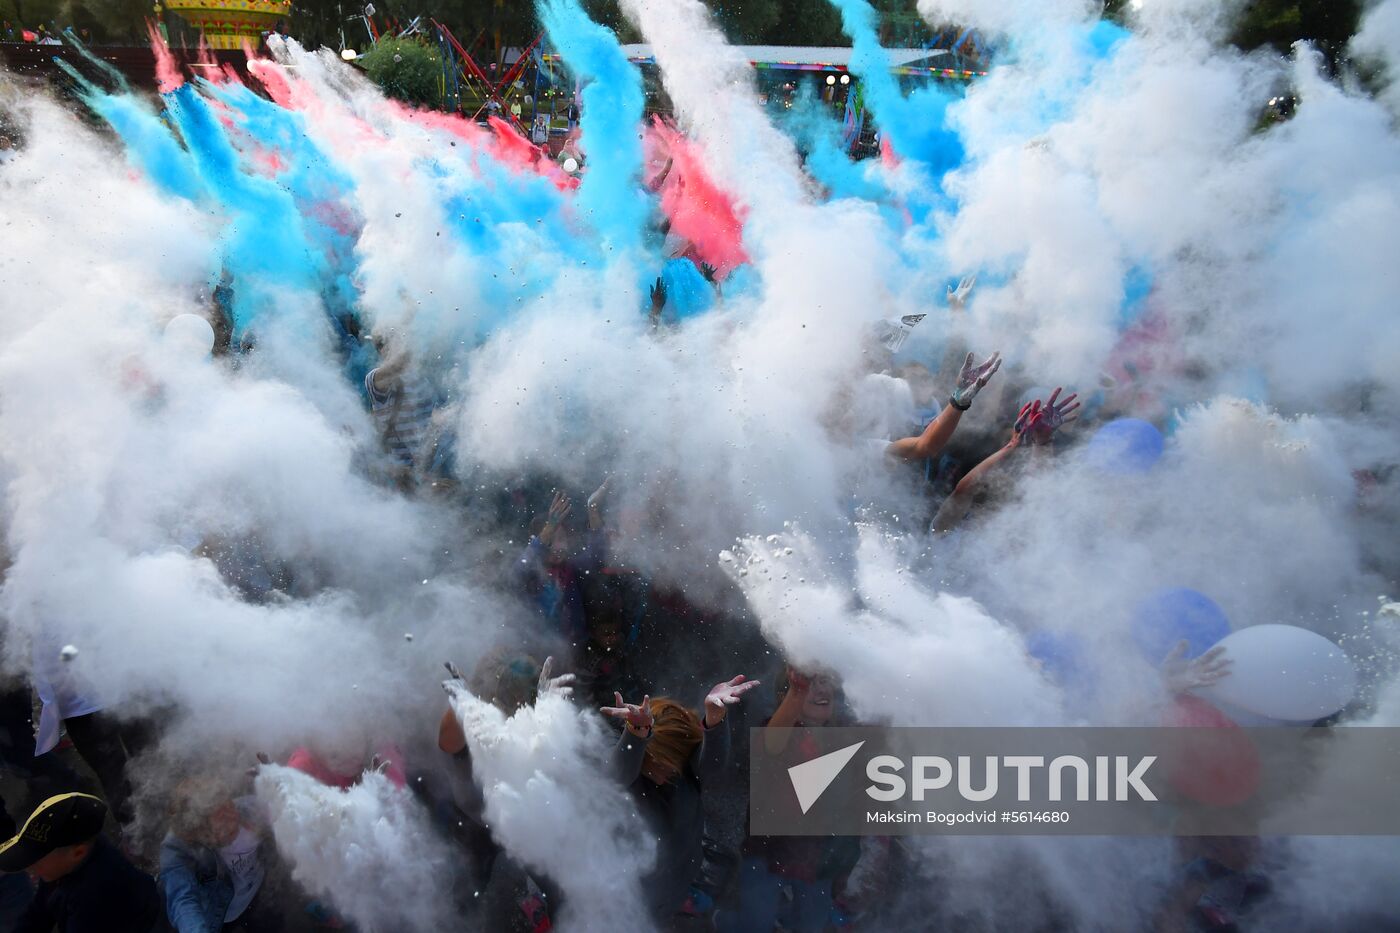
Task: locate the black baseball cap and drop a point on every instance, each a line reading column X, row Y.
column 64, row 820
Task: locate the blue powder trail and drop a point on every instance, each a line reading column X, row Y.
column 265, row 245
column 150, row 146
column 818, row 136
column 111, row 73
column 688, row 293
column 1093, row 43
column 321, row 190
column 610, row 198
column 917, row 125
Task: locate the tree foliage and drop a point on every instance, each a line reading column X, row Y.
column 108, row 20
column 1328, row 24
column 406, row 69
column 488, row 25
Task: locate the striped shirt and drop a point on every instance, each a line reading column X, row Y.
column 404, row 416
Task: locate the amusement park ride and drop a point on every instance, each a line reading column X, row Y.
column 228, row 24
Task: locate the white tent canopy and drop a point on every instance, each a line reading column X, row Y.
column 835, row 56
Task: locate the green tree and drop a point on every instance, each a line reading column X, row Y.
column 1329, row 24
column 30, row 13
column 746, row 21
column 407, row 69
column 116, row 20
column 804, row 22
column 315, row 23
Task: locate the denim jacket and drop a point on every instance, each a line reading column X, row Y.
column 196, row 885
column 194, row 880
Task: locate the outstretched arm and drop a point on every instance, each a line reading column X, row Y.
column 789, row 711
column 935, row 437
column 931, row 442
column 954, row 509
column 631, row 745
column 713, row 754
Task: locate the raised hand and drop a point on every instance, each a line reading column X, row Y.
column 957, row 298
column 798, row 682
column 563, row 685
column 637, row 716
column 1181, row 675
column 658, row 296
column 263, row 759
column 559, row 509
column 1022, row 423
column 972, row 378
column 1046, row 419
column 596, row 500
column 724, row 695
column 595, row 505
column 708, row 271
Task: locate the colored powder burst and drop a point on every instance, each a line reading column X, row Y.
column 265, row 245
column 699, row 211
column 151, row 148
column 818, row 135
column 168, row 77
column 322, row 191
column 1094, row 43
column 687, row 292
column 914, row 127
column 610, row 198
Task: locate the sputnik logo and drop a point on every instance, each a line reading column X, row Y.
column 811, row 778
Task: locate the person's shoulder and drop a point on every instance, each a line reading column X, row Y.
column 111, row 875
column 376, row 395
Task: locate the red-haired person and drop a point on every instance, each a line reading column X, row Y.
column 665, row 756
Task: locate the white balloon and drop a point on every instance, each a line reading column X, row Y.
column 571, row 165
column 190, row 331
column 1247, row 719
column 1284, row 672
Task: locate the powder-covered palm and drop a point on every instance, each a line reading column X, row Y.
column 726, row 694
column 973, row 377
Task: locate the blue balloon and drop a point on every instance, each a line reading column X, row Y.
column 1060, row 654
column 1125, row 445
column 1169, row 616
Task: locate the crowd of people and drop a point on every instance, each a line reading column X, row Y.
column 80, row 854
column 106, row 826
